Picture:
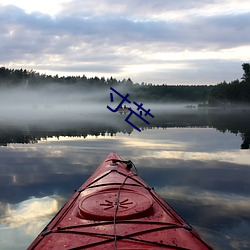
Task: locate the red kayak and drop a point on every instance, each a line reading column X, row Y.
column 116, row 209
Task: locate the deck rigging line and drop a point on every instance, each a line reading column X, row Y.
column 130, row 174
column 115, row 237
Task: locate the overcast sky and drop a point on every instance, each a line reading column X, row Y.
column 154, row 41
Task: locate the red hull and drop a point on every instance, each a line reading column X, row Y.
column 116, row 209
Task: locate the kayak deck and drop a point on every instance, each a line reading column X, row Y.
column 116, row 209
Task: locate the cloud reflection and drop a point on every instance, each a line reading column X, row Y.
column 222, row 213
column 28, row 212
column 205, row 179
column 228, row 203
column 22, row 222
column 223, row 156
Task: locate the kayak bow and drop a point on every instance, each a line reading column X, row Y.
column 116, row 209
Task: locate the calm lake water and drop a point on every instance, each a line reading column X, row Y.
column 197, row 160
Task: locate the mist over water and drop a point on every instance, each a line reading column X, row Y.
column 57, row 109
column 55, row 102
column 61, row 103
column 191, row 155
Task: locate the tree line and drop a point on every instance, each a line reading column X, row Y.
column 236, row 91
column 231, row 121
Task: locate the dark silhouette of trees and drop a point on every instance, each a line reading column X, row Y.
column 233, row 121
column 221, row 94
column 234, row 92
column 246, row 69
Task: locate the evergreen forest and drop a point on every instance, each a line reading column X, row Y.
column 224, row 93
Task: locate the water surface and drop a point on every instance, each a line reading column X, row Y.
column 193, row 159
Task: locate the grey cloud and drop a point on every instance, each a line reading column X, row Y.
column 98, row 39
column 201, row 31
column 219, row 31
column 134, row 8
column 85, row 68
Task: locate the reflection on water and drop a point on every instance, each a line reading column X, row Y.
column 103, row 123
column 22, row 220
column 193, row 160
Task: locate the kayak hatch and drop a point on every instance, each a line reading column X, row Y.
column 116, row 209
